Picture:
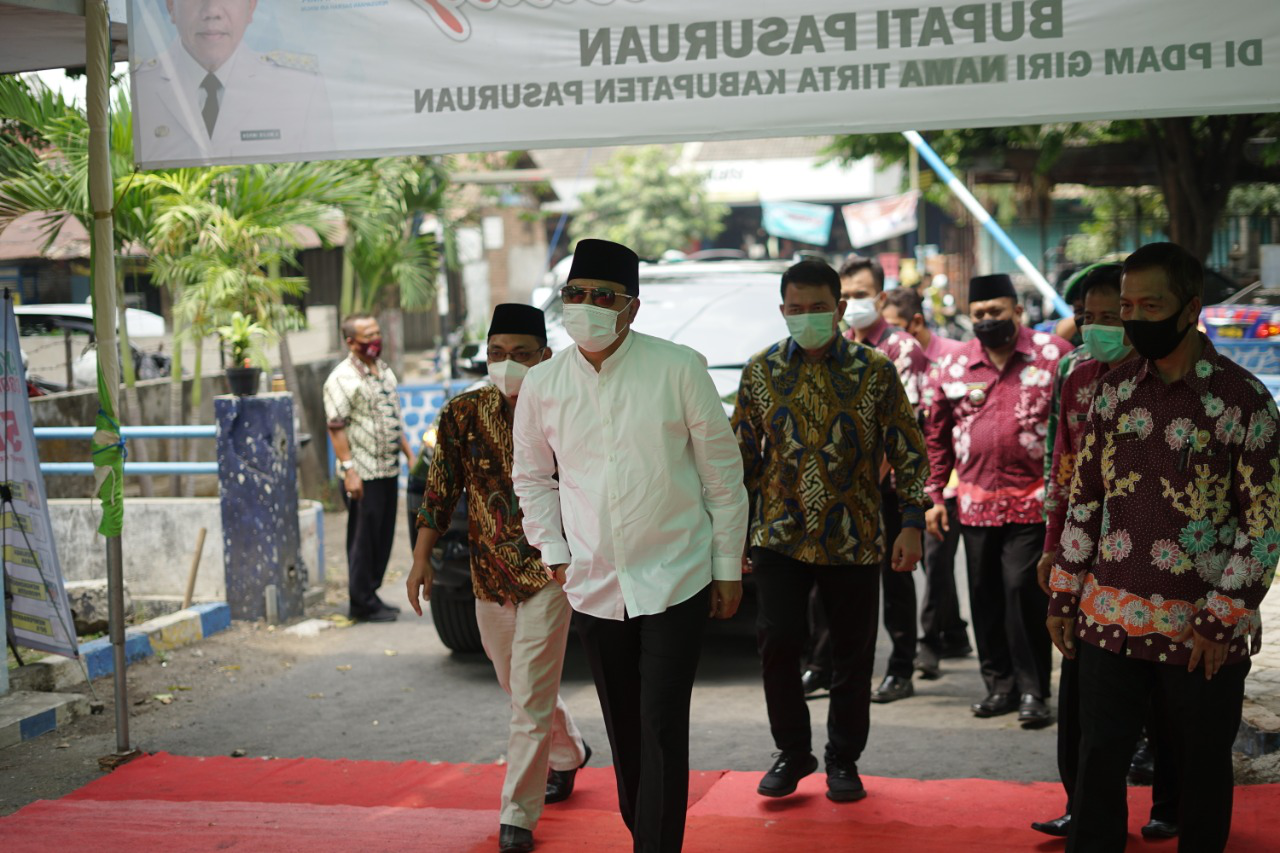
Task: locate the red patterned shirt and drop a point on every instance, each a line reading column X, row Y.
column 989, row 425
column 1174, row 511
column 1073, row 416
column 904, row 351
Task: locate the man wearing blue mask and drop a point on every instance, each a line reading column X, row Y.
column 862, row 286
column 815, row 416
column 631, row 486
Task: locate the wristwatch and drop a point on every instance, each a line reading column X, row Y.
column 346, row 465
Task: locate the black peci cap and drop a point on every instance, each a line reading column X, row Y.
column 512, row 318
column 606, row 261
column 984, row 287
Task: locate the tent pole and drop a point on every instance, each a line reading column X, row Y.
column 98, row 69
column 980, row 213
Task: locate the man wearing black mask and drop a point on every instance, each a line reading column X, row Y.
column 987, row 412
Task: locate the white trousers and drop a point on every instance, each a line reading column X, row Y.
column 526, row 643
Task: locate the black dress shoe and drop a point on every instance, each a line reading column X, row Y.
column 1033, row 713
column 814, row 680
column 384, row 614
column 892, row 689
column 1142, row 768
column 560, row 782
column 786, row 773
column 995, row 705
column 1058, row 827
column 393, row 608
column 1160, row 829
column 514, row 838
column 844, row 785
column 927, row 663
column 960, row 648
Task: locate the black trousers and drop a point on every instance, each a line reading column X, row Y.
column 899, row 591
column 371, row 531
column 850, row 595
column 1009, row 607
column 644, row 667
column 1196, row 717
column 940, row 624
column 1164, row 789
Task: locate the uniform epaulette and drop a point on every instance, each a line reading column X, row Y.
column 296, row 61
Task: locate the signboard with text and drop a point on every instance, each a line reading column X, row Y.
column 36, row 600
column 240, row 81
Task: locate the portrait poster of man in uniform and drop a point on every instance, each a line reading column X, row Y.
column 207, row 95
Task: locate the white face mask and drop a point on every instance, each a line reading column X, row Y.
column 507, row 376
column 861, row 313
column 592, row 328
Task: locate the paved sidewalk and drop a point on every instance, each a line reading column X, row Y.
column 1260, row 731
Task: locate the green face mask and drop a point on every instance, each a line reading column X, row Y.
column 811, row 331
column 1105, row 343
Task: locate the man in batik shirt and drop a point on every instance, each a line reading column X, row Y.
column 1171, row 541
column 814, row 417
column 522, row 616
column 862, row 287
column 1105, row 348
column 986, row 411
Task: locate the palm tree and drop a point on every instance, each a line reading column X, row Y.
column 48, row 171
column 387, row 264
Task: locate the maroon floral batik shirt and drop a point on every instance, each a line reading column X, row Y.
column 1073, row 417
column 1173, row 515
column 989, row 425
column 906, row 354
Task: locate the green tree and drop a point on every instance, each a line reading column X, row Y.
column 642, row 199
column 1198, row 158
column 45, row 169
column 387, row 263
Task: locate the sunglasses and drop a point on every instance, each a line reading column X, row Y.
column 600, row 296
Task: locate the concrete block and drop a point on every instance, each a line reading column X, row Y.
column 214, row 617
column 90, row 603
column 258, row 479
column 98, row 655
column 173, row 631
column 26, row 714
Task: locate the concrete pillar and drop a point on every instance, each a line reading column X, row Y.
column 258, row 479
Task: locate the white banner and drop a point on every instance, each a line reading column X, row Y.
column 232, row 81
column 881, row 219
column 40, row 617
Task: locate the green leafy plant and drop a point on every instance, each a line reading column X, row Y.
column 243, row 337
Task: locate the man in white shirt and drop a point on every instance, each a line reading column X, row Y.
column 630, row 481
column 209, row 96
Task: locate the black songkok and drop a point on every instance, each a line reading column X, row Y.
column 986, row 287
column 512, row 318
column 606, row 261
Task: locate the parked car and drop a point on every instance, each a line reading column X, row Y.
column 727, row 310
column 1246, row 329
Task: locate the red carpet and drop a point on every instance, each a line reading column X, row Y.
column 182, row 805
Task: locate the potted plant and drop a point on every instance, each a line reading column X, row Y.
column 242, row 338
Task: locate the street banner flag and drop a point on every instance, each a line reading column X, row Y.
column 332, row 79
column 38, row 611
column 880, row 219
column 795, row 220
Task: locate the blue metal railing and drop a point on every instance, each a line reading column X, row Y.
column 130, row 468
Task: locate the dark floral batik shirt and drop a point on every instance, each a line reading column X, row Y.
column 474, row 452
column 1173, row 515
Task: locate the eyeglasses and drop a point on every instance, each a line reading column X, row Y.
column 522, row 356
column 601, row 296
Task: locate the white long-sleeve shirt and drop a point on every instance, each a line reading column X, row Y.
column 649, row 504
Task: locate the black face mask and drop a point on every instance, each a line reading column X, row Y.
column 994, row 333
column 1156, row 339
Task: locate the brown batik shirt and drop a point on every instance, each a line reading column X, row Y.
column 474, row 452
